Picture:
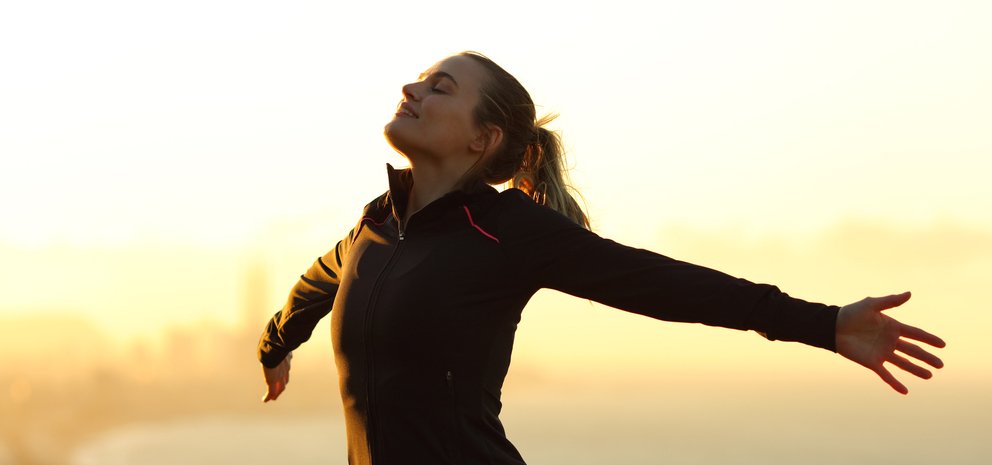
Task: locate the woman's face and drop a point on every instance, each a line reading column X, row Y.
column 435, row 117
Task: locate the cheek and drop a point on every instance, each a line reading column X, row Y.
column 462, row 122
column 445, row 108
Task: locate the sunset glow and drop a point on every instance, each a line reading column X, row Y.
column 169, row 171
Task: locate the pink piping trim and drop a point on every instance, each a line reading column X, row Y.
column 467, row 212
column 377, row 223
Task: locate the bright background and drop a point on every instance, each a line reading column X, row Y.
column 170, row 169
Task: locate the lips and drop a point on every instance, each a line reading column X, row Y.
column 405, row 110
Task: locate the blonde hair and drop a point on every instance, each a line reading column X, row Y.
column 530, row 157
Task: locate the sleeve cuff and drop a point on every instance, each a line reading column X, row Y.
column 816, row 327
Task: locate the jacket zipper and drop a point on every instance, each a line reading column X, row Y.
column 456, row 447
column 369, row 389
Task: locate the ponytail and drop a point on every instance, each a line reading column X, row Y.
column 543, row 177
column 530, row 158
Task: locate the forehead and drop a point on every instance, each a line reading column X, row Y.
column 465, row 70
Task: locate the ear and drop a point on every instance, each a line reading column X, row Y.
column 487, row 139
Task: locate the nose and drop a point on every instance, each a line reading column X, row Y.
column 409, row 91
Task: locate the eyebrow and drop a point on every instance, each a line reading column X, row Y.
column 439, row 74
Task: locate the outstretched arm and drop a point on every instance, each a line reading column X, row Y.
column 548, row 250
column 870, row 338
column 310, row 300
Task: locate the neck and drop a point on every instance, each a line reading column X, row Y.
column 431, row 181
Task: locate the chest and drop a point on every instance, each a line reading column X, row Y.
column 431, row 284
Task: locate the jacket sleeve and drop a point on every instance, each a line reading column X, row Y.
column 551, row 251
column 310, row 300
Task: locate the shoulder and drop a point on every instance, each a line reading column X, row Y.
column 375, row 211
column 520, row 214
column 516, row 201
column 504, row 213
column 377, row 208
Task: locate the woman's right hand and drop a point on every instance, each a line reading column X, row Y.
column 276, row 378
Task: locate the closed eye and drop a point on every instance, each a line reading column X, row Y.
column 438, row 90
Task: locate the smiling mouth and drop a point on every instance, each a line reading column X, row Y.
column 403, row 109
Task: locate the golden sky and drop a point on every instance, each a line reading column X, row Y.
column 838, row 149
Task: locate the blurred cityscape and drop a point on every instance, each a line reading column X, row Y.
column 588, row 385
column 64, row 380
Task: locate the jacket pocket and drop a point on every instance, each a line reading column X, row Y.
column 456, row 431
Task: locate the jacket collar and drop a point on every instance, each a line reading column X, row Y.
column 401, row 181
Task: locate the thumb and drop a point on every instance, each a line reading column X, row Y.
column 891, row 301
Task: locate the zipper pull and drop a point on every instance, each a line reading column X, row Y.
column 402, row 235
column 448, row 377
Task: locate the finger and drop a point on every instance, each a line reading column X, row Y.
column 890, row 301
column 911, row 367
column 891, row 380
column 914, row 350
column 275, row 388
column 920, row 335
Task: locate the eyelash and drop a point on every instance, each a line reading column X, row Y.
column 438, row 90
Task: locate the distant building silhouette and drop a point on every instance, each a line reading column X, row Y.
column 255, row 294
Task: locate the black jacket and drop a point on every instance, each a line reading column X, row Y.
column 422, row 320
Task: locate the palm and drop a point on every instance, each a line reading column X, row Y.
column 869, row 338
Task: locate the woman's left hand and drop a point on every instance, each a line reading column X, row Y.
column 866, row 336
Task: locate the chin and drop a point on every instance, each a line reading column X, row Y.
column 389, row 131
column 395, row 138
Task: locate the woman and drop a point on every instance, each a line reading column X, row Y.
column 427, row 288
